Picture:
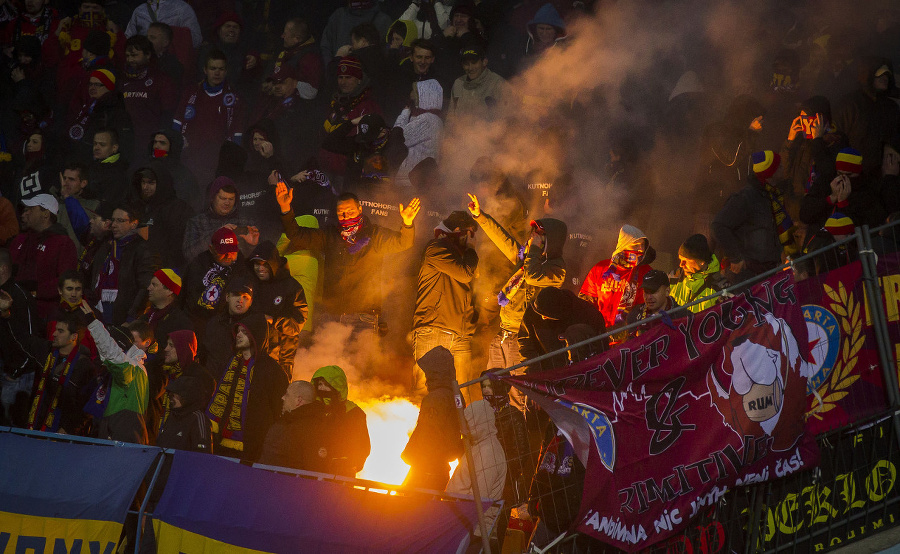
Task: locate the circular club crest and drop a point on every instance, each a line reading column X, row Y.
column 76, row 132
column 211, row 295
column 824, row 342
column 228, row 99
column 601, row 430
column 278, row 300
column 148, row 83
column 190, row 112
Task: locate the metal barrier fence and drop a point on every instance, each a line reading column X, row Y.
column 850, row 495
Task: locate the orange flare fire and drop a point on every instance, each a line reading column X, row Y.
column 391, row 421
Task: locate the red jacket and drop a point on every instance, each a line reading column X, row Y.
column 614, row 292
column 40, row 259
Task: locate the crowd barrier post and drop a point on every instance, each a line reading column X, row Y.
column 473, row 475
column 876, row 308
column 160, row 461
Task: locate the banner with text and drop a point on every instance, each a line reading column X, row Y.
column 667, row 423
column 61, row 497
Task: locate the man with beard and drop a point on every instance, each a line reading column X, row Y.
column 222, row 210
column 247, row 399
column 149, row 94
column 59, row 395
column 352, row 100
column 281, row 298
column 445, row 311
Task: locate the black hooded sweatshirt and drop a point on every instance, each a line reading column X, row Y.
column 187, row 427
column 186, row 186
column 436, row 439
column 868, row 117
column 282, row 299
column 164, row 213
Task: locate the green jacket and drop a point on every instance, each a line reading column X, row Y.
column 698, row 285
column 542, row 267
column 129, row 389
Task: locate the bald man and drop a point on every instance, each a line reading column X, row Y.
column 296, row 440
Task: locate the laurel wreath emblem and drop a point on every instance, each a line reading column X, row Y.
column 849, row 313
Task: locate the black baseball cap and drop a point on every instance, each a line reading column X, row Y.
column 654, row 279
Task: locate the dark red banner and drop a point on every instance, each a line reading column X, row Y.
column 847, row 384
column 667, row 423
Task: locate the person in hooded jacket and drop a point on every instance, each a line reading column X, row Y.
column 348, row 444
column 613, row 284
column 165, row 148
column 488, row 458
column 422, row 125
column 122, row 350
column 281, row 298
column 538, row 265
column 342, row 21
column 513, row 436
column 725, row 152
column 179, row 362
column 187, row 427
column 266, row 160
column 247, row 399
column 547, row 318
column 545, row 31
column 163, row 214
column 297, row 439
column 222, row 210
column 436, row 439
column 869, row 117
